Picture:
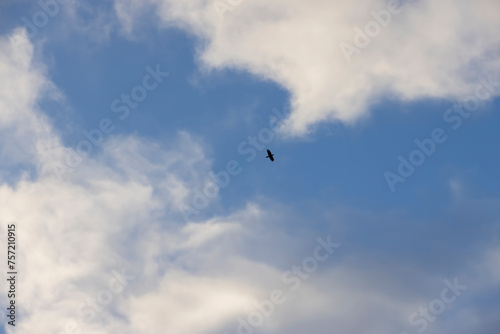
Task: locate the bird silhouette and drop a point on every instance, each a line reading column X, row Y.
column 270, row 155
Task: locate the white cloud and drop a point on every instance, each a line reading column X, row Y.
column 199, row 304
column 75, row 232
column 434, row 49
column 25, row 132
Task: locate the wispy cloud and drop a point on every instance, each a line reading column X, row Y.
column 426, row 51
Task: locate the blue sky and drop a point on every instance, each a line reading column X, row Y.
column 344, row 123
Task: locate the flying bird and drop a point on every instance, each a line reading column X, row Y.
column 270, row 155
